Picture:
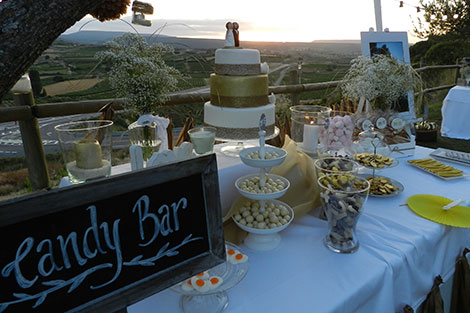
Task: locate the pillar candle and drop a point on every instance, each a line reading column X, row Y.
column 88, row 154
column 311, row 133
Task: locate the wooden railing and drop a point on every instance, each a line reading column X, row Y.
column 27, row 114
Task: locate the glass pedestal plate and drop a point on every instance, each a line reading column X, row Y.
column 214, row 300
column 237, row 145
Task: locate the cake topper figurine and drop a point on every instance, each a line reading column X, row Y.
column 235, row 34
column 229, row 35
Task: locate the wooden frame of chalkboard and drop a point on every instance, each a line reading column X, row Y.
column 106, row 244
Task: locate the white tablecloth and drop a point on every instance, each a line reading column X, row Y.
column 456, row 113
column 399, row 255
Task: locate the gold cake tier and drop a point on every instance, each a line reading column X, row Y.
column 239, row 91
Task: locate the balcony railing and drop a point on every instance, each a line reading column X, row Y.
column 28, row 114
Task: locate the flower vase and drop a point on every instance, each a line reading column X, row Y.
column 149, row 133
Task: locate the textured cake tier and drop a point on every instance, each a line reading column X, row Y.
column 237, row 62
column 234, row 134
column 238, row 123
column 239, row 91
column 237, row 117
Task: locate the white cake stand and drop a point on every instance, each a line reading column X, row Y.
column 265, row 239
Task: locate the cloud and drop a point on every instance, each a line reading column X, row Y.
column 208, row 28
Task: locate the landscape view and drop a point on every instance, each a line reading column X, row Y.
column 68, row 71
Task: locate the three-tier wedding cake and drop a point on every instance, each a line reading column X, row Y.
column 238, row 95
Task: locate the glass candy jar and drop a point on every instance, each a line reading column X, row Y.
column 307, row 121
column 338, row 134
column 343, row 196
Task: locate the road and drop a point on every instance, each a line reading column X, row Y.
column 11, row 144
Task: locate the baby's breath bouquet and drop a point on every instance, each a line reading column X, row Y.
column 139, row 73
column 381, row 80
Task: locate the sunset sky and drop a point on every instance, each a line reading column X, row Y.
column 262, row 20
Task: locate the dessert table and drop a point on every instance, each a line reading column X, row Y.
column 456, row 113
column 400, row 253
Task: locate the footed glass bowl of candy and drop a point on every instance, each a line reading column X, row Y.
column 343, row 196
column 262, row 221
column 273, row 157
column 206, row 291
column 332, row 165
column 249, row 186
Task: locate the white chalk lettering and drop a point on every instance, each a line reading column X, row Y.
column 175, row 211
column 162, row 225
column 143, row 216
column 48, row 256
column 94, row 229
column 21, row 254
column 71, row 238
column 113, row 244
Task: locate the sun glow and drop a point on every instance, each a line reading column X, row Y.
column 262, row 20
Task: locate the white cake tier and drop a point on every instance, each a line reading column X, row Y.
column 237, row 56
column 237, row 117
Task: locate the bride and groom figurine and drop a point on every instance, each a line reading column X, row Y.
column 232, row 35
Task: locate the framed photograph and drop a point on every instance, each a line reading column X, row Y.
column 394, row 44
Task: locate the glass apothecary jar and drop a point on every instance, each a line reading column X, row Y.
column 307, row 122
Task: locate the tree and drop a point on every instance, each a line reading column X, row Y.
column 36, row 84
column 29, row 27
column 448, row 18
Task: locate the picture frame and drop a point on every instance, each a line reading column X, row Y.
column 396, row 45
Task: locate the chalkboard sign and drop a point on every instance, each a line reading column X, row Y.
column 104, row 245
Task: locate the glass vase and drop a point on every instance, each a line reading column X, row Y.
column 307, row 122
column 86, row 149
column 145, row 136
column 343, row 196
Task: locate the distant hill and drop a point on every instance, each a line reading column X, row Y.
column 344, row 47
column 101, row 37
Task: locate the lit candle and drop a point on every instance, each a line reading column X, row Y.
column 311, row 133
column 203, row 141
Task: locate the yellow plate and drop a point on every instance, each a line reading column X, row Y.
column 431, row 207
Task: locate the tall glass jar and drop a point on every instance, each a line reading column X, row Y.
column 307, row 121
column 343, row 196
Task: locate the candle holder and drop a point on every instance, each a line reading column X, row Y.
column 307, row 122
column 86, row 149
column 203, row 139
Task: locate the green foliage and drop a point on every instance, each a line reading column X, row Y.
column 446, row 26
column 35, row 82
column 447, row 52
column 444, row 18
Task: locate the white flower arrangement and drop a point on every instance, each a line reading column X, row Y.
column 139, row 73
column 465, row 71
column 381, row 80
